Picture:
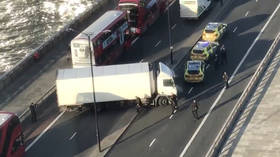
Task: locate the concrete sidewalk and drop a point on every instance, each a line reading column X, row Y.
column 257, row 131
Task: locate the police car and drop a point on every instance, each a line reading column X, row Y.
column 194, row 71
column 214, row 31
column 203, row 50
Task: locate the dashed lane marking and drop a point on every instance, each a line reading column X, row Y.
column 190, row 90
column 152, row 142
column 247, row 13
column 234, row 29
column 134, row 40
column 171, row 116
column 173, row 26
column 72, row 136
column 207, row 66
column 158, row 43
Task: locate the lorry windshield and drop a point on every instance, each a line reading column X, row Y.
column 168, row 82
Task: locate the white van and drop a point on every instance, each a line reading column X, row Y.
column 192, row 9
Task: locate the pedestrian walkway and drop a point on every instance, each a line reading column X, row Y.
column 257, row 132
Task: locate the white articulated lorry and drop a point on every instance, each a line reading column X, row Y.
column 192, row 9
column 115, row 84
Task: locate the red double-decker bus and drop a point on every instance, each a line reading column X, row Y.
column 109, row 35
column 142, row 13
column 11, row 136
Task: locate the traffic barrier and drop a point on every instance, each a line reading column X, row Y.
column 238, row 108
column 11, row 75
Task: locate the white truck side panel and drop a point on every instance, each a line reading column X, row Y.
column 193, row 8
column 112, row 83
column 188, row 8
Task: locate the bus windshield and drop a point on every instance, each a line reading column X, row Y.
column 132, row 12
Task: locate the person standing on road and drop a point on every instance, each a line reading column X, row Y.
column 68, row 56
column 33, row 112
column 216, row 61
column 225, row 78
column 138, row 104
column 174, row 104
column 195, row 109
column 223, row 53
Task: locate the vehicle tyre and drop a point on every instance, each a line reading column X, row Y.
column 163, row 101
column 62, row 108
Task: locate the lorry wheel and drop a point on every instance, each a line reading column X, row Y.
column 62, row 109
column 163, row 101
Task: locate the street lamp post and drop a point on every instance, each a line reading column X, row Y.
column 169, row 36
column 93, row 89
column 93, row 94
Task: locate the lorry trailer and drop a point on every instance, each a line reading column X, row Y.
column 77, row 88
column 192, row 9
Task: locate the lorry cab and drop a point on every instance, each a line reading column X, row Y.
column 192, row 9
column 203, row 50
column 194, row 71
column 165, row 81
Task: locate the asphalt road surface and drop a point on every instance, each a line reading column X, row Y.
column 169, row 136
column 154, row 132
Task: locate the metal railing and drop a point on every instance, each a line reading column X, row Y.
column 214, row 149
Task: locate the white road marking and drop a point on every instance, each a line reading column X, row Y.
column 158, row 43
column 256, row 0
column 207, row 66
column 209, row 151
column 152, row 142
column 170, row 5
column 223, row 90
column 190, row 90
column 201, row 93
column 44, row 131
column 247, row 13
column 134, row 40
column 171, row 116
column 72, row 136
column 174, row 26
column 235, row 29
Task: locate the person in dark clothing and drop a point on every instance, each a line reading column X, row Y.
column 195, row 109
column 174, row 104
column 33, row 112
column 216, row 61
column 139, row 104
column 68, row 56
column 223, row 53
column 225, row 78
column 36, row 56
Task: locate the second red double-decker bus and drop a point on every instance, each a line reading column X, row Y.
column 109, row 35
column 142, row 13
column 11, row 136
